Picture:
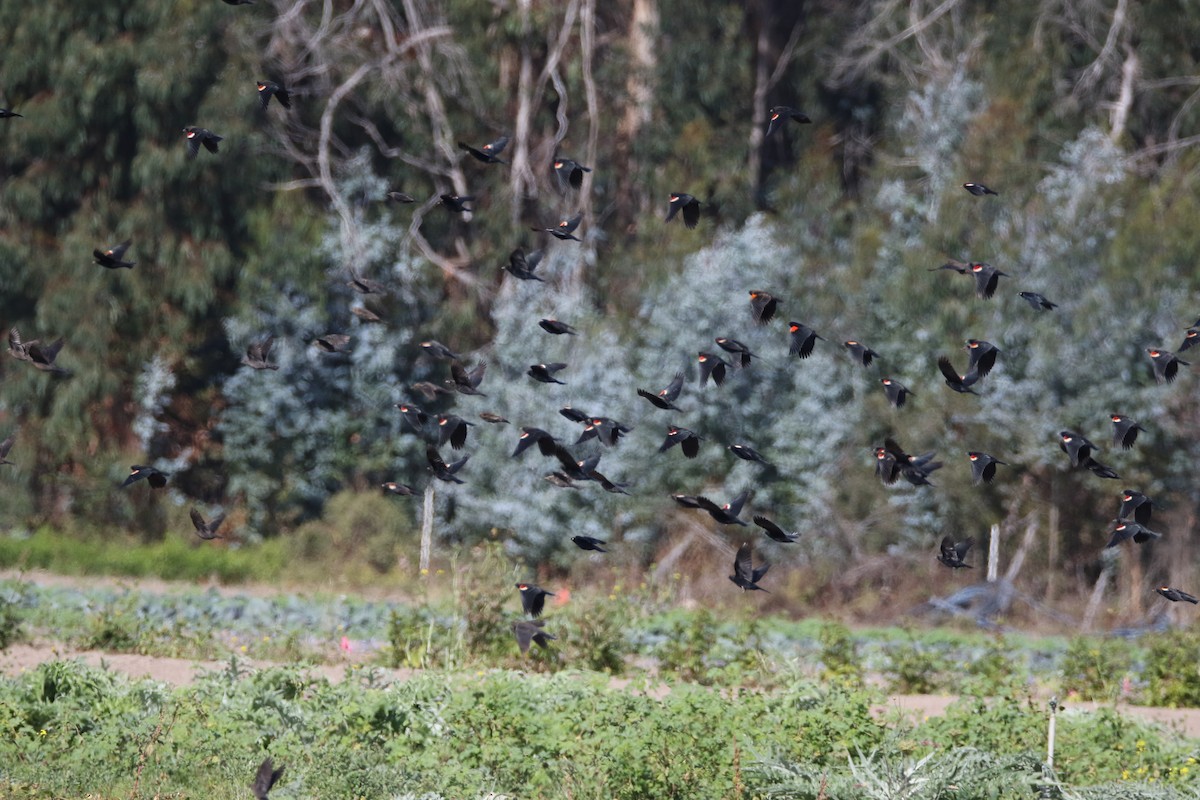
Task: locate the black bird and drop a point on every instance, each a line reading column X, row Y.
column 728, row 513
column 365, row 285
column 742, row 354
column 609, row 486
column 982, row 357
column 744, row 574
column 861, row 353
column 439, row 350
column 333, row 343
column 365, row 314
column 528, row 631
column 987, row 278
column 1100, row 470
column 521, row 265
column 576, row 470
column 1166, row 364
column 556, row 327
column 747, row 453
column 1125, row 430
column 467, row 382
column 891, row 462
column 156, row 479
column 609, row 431
column 689, row 205
column 533, row 598
column 7, row 114
column 440, row 469
column 978, row 189
column 1135, row 506
column 200, row 136
column 779, row 115
column 687, row 440
column 774, row 531
column 952, row 554
column 763, row 306
column 1189, row 339
column 1175, row 595
column 492, row 417
column 531, row 436
column 207, row 530
column 802, row 339
column 403, row 490
column 487, row 154
column 665, row 399
column 561, row 480
column 983, row 467
column 687, row 500
column 544, row 373
column 574, row 414
column 570, row 173
column 452, row 429
column 589, row 543
column 565, row 229
column 399, row 197
column 1077, row 447
column 961, row 267
column 959, row 383
column 111, row 258
column 897, row 393
column 269, row 89
column 1122, row 529
column 456, row 203
column 257, row 354
column 1038, row 302
column 414, row 416
column 40, row 356
column 5, row 446
column 712, row 366
column 267, row 775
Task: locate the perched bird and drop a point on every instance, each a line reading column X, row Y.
column 267, row 775
column 745, row 576
column 391, row 487
column 207, row 530
column 452, row 429
column 1175, row 595
column 200, row 136
column 952, row 554
column 801, row 340
column 1122, row 529
column 269, row 89
column 533, row 598
column 897, row 393
column 712, row 366
column 487, row 154
column 959, row 383
column 1189, row 339
column 728, row 513
column 7, row 114
column 747, row 453
column 987, row 278
column 1166, row 364
column 687, row 440
column 556, row 327
column 589, row 543
column 689, row 205
column 763, row 306
column 365, row 285
column 665, row 398
column 1125, row 430
column 779, row 115
column 1135, row 506
column 774, row 531
column 5, row 446
column 111, row 258
column 565, row 228
column 742, row 354
column 978, row 189
column 257, row 354
column 521, row 266
column 440, row 351
column 531, row 436
column 982, row 357
column 467, row 382
column 861, row 353
column 456, row 203
column 156, row 479
column 1038, row 302
column 544, row 373
column 492, row 417
column 570, row 173
column 399, row 197
column 983, row 467
column 528, row 631
column 333, row 343
column 440, row 469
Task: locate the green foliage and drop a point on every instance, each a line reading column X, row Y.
column 840, row 661
column 1172, row 669
column 11, row 630
column 915, row 667
column 1095, row 669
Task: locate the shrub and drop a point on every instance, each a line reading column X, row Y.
column 1173, row 669
column 1095, row 669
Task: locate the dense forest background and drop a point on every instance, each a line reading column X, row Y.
column 1083, row 114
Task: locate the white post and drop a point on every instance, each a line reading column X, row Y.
column 1050, row 737
column 993, row 554
column 427, row 529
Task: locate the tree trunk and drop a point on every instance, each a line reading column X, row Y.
column 523, row 181
column 632, row 198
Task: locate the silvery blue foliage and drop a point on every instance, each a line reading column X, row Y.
column 153, row 393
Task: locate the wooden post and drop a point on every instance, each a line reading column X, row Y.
column 427, row 529
column 1052, row 556
column 993, row 566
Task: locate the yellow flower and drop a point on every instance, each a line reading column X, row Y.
column 42, row 732
column 425, row 571
column 242, row 648
column 1124, row 774
column 1184, row 770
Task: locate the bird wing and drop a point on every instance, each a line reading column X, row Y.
column 691, row 213
column 198, row 521
column 742, row 566
column 735, row 505
column 672, row 391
